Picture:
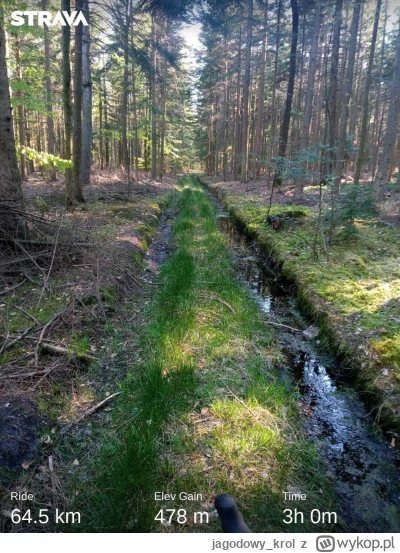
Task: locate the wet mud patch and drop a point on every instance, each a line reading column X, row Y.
column 158, row 252
column 19, row 433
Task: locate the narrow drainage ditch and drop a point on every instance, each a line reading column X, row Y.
column 359, row 459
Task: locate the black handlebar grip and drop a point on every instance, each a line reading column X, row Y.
column 231, row 519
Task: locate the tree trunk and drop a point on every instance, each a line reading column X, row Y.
column 135, row 121
column 284, row 133
column 273, row 100
column 260, row 103
column 125, row 90
column 87, row 100
column 305, row 135
column 10, row 177
column 237, row 134
column 246, row 96
column 226, row 111
column 348, row 86
column 20, row 110
column 153, row 95
column 389, row 138
column 101, row 130
column 163, row 107
column 332, row 103
column 77, row 144
column 367, row 87
column 66, row 94
column 106, row 136
column 48, row 89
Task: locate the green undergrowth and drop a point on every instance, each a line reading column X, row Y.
column 30, row 306
column 353, row 292
column 204, row 409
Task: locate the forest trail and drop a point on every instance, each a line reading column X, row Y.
column 128, row 370
column 217, row 410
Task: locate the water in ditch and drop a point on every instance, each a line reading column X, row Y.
column 359, row 458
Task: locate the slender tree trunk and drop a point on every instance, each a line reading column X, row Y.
column 332, row 102
column 237, row 134
column 30, row 162
column 101, row 130
column 348, row 87
column 66, row 94
column 20, row 110
column 153, row 96
column 135, row 121
column 106, row 136
column 284, row 133
column 274, row 84
column 367, row 87
column 305, row 135
column 389, row 138
column 48, row 89
column 246, row 96
column 260, row 104
column 87, row 100
column 226, row 112
column 163, row 108
column 125, row 91
column 77, row 144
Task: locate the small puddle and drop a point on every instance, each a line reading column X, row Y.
column 157, row 253
column 359, row 458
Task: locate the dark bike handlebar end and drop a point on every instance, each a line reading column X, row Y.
column 231, row 519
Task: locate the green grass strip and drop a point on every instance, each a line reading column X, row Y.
column 204, row 409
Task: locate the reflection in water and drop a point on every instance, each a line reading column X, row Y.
column 360, row 460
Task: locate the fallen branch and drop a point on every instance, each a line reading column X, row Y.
column 224, row 303
column 88, row 412
column 27, row 375
column 284, row 326
column 29, row 315
column 31, row 257
column 51, row 243
column 45, row 327
column 25, row 257
column 31, row 279
column 8, row 290
column 7, row 345
column 65, row 351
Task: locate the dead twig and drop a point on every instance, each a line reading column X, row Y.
column 7, row 345
column 224, row 303
column 46, row 277
column 31, row 279
column 284, row 326
column 90, row 411
column 28, row 375
column 32, row 258
column 8, row 290
column 45, row 327
column 252, row 413
column 65, row 351
column 29, row 315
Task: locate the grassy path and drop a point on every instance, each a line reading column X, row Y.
column 208, row 411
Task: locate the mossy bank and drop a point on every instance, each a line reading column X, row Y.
column 353, row 293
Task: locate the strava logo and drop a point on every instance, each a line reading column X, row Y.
column 40, row 18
